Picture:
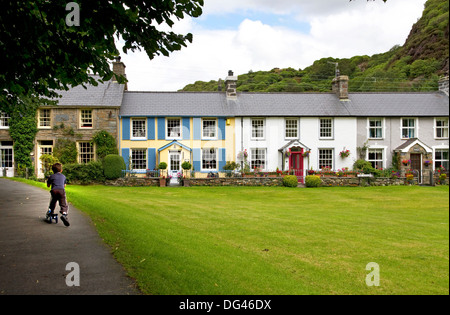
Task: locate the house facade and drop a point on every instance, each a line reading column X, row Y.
column 262, row 131
column 78, row 116
column 176, row 128
column 302, row 131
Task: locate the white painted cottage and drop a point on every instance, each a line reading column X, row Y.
column 302, row 131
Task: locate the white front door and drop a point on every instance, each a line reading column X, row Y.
column 174, row 166
column 6, row 161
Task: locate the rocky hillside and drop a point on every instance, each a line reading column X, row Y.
column 415, row 66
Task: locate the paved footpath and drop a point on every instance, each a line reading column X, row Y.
column 34, row 254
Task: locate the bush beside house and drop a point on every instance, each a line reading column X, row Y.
column 113, row 165
column 290, row 181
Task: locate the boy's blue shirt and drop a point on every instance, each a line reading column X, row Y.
column 57, row 181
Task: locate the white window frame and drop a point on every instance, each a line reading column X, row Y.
column 439, row 162
column 136, row 120
column 145, row 159
column 82, row 118
column 208, row 137
column 4, row 120
column 167, row 128
column 44, row 119
column 369, row 127
column 319, row 158
column 79, row 148
column 254, row 156
column 204, row 154
column 8, row 158
column 444, row 129
column 291, row 129
column 331, row 127
column 376, row 161
column 260, row 128
column 415, row 128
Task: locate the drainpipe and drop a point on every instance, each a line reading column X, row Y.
column 242, row 140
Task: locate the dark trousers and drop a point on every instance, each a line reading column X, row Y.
column 58, row 195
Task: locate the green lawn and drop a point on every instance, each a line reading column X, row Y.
column 245, row 240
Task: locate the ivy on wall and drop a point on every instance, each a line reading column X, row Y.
column 105, row 144
column 23, row 129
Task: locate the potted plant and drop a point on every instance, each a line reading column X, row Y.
column 186, row 166
column 406, row 162
column 344, row 153
column 410, row 178
column 162, row 181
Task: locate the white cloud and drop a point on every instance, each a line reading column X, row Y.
column 338, row 29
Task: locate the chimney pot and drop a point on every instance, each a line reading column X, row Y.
column 231, row 86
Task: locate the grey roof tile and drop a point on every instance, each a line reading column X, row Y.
column 283, row 104
column 108, row 94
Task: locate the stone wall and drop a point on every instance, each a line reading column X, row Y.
column 265, row 181
column 65, row 119
column 364, row 181
column 237, row 181
column 134, row 182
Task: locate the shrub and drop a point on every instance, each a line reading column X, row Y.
column 113, row 165
column 88, row 173
column 162, row 166
column 313, row 181
column 290, row 181
column 47, row 161
column 361, row 165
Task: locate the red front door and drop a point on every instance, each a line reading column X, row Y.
column 296, row 165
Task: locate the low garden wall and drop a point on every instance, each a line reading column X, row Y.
column 237, row 181
column 266, row 181
column 365, row 181
column 133, row 182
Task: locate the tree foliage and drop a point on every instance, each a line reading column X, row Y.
column 41, row 53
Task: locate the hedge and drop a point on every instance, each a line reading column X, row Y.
column 88, row 173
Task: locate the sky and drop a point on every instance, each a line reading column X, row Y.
column 244, row 35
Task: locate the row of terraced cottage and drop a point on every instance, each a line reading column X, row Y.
column 269, row 131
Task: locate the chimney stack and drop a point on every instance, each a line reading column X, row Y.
column 340, row 87
column 231, row 86
column 443, row 84
column 119, row 69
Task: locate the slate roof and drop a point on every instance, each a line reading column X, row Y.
column 174, row 104
column 283, row 104
column 107, row 94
